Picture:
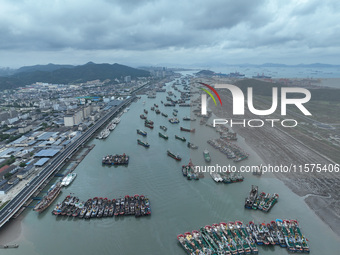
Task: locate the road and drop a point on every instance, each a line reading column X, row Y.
column 16, row 203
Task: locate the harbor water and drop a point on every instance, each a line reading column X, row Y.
column 177, row 205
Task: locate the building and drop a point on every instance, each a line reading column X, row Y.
column 87, row 111
column 23, row 130
column 127, row 79
column 68, row 120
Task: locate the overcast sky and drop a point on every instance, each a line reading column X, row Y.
column 169, row 32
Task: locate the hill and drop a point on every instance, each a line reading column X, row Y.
column 60, row 74
column 45, row 68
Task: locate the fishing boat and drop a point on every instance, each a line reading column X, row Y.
column 206, row 155
column 148, row 122
column 173, row 120
column 163, row 128
column 251, row 198
column 145, row 144
column 192, row 146
column 240, row 158
column 47, row 200
column 180, row 138
column 190, row 171
column 187, row 130
column 177, row 157
column 116, row 159
column 141, row 132
column 148, row 125
column 68, row 179
column 163, row 136
column 186, row 118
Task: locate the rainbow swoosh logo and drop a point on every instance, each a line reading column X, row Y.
column 208, row 92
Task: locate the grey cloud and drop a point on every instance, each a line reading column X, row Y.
column 216, row 27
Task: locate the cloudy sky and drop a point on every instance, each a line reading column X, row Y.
column 169, row 32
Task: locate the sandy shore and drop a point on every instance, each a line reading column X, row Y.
column 276, row 147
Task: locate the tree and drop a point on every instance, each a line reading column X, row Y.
column 8, row 175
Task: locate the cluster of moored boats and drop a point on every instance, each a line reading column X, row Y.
column 190, row 172
column 236, row 238
column 110, row 127
column 99, row 207
column 68, row 179
column 115, row 159
column 231, row 150
column 263, row 201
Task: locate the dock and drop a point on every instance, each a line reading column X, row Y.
column 79, row 159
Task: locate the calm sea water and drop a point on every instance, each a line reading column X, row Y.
column 329, row 75
column 178, row 205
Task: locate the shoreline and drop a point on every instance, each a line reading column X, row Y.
column 276, row 147
column 12, row 231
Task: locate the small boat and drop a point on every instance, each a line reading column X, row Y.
column 149, row 122
column 187, row 130
column 157, row 111
column 206, row 155
column 142, row 116
column 177, row 157
column 145, row 144
column 180, row 138
column 148, row 125
column 173, row 120
column 68, row 179
column 145, row 111
column 163, row 136
column 163, row 128
column 141, row 132
column 164, row 114
column 192, row 146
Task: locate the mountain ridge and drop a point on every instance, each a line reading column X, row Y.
column 66, row 74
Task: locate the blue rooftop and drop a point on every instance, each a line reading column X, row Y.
column 47, row 153
column 41, row 161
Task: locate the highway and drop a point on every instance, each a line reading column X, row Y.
column 16, row 203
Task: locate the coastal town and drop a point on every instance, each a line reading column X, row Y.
column 46, row 138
